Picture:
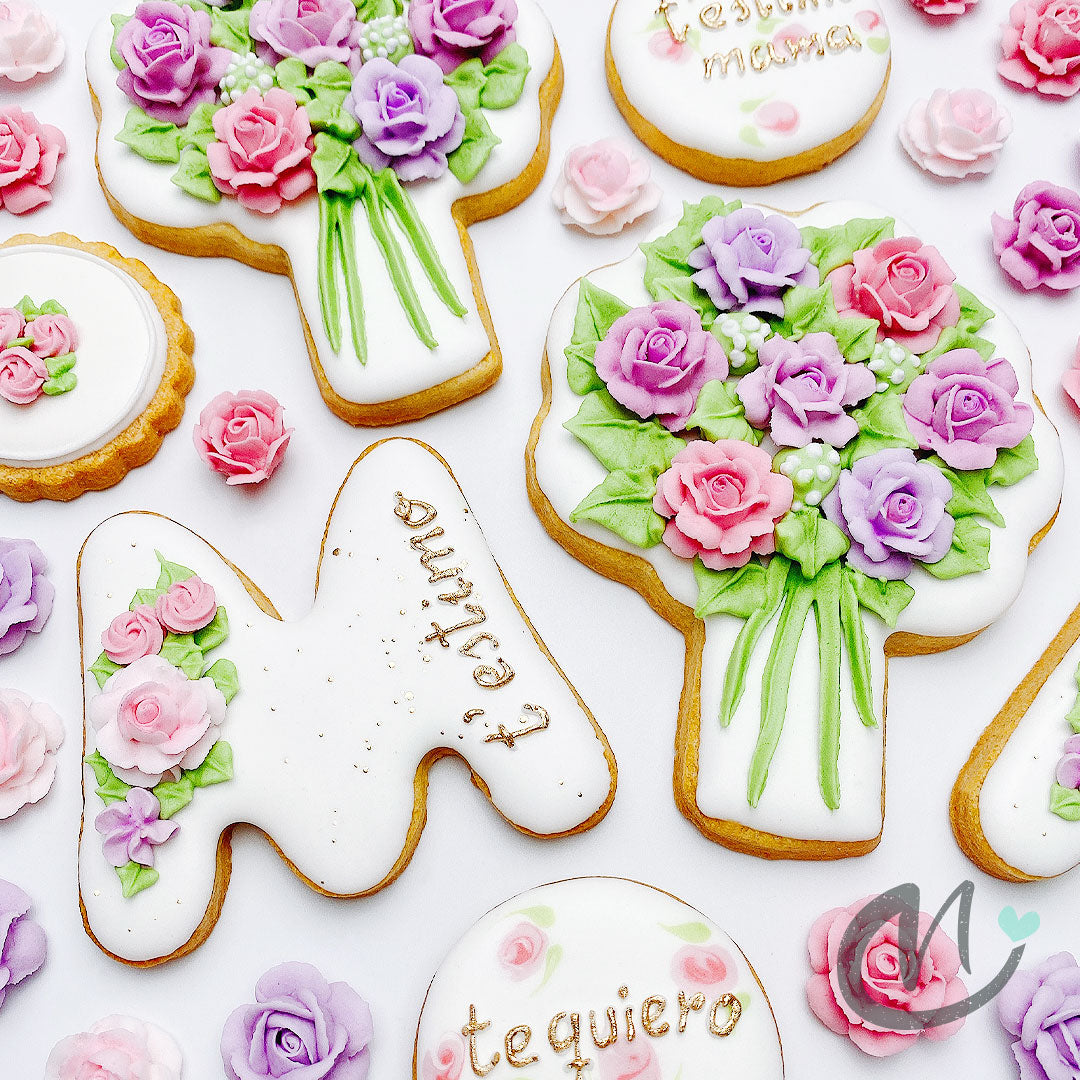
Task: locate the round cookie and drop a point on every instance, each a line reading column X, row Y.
column 748, row 92
column 603, row 977
column 108, row 403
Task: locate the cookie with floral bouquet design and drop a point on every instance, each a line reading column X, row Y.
column 748, row 92
column 811, row 449
column 347, row 144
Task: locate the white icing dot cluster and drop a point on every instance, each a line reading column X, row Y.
column 242, row 74
column 745, row 333
column 386, row 37
column 894, row 366
column 813, row 470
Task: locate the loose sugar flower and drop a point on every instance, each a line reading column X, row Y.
column 1041, row 244
column 243, row 436
column 29, row 41
column 22, row 941
column 1070, row 381
column 956, row 133
column 604, row 187
column 26, row 594
column 132, row 828
column 30, row 735
column 453, row 31
column 29, row 151
column 944, row 7
column 313, row 31
column 116, row 1048
column 1040, row 1006
column 1040, row 47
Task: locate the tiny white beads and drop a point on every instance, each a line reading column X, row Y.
column 814, row 450
column 738, row 340
column 823, row 472
column 813, row 497
column 805, row 476
column 789, row 465
column 833, row 456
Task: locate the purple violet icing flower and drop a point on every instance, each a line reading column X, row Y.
column 965, row 410
column 311, row 30
column 22, row 941
column 171, row 67
column 410, row 119
column 1040, row 245
column 1041, row 1006
column 747, row 260
column 801, row 389
column 1068, row 769
column 130, row 830
column 892, row 509
column 453, row 31
column 26, row 595
column 655, row 360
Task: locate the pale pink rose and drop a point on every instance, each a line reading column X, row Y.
column 867, row 20
column 704, row 965
column 944, row 7
column 54, row 335
column 779, row 116
column 1071, row 379
column 956, row 133
column 29, row 152
column 628, row 1061
column 187, row 606
column 30, row 734
column 664, row 46
column 603, row 187
column 116, row 1048
column 1040, row 47
column 150, row 719
column 723, row 502
column 790, row 32
column 263, row 152
column 132, row 635
column 22, row 375
column 243, row 436
column 29, row 42
column 522, row 950
column 447, row 1060
column 12, row 326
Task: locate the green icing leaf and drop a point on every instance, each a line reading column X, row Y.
column 719, row 414
column 1065, row 802
column 329, row 86
column 110, row 788
column 155, row 140
column 551, row 962
column 738, row 592
column 623, row 503
column 580, row 369
column 1013, row 465
column 953, row 337
column 830, row 248
column 366, row 10
column 216, row 769
column 476, row 146
column 969, row 554
column 171, row 572
column 969, row 496
column 618, row 439
column 193, row 176
column 229, row 29
column 505, row 78
column 542, row 915
column 749, row 135
column 886, row 599
column 881, row 427
column 61, row 384
column 811, row 311
column 145, row 596
column 810, row 540
column 974, row 314
column 173, row 797
column 27, row 308
column 467, row 81
column 337, row 167
column 752, row 104
column 225, row 677
column 199, row 130
column 52, row 307
column 58, row 365
column 597, row 312
column 119, row 22
column 291, row 75
column 134, row 878
column 215, row 632
column 182, row 652
column 696, row 933
column 103, row 669
column 22, row 342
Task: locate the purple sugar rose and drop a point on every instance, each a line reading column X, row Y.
column 453, row 31
column 171, row 67
column 410, row 119
column 310, row 30
column 1041, row 244
column 892, row 509
column 1068, row 768
column 747, row 260
column 656, row 359
column 130, row 830
column 965, row 410
column 1041, row 1006
column 800, row 390
column 301, row 1026
column 22, row 941
column 26, row 595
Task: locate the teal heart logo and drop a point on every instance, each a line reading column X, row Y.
column 1018, row 927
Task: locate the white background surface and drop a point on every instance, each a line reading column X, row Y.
column 626, row 663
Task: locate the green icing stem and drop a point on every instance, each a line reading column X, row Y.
column 798, row 598
column 400, row 204
column 328, row 294
column 343, row 212
column 827, row 601
column 862, row 684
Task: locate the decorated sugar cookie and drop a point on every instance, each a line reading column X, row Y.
column 203, row 709
column 600, row 978
column 346, row 146
column 811, row 449
column 95, row 362
column 748, row 92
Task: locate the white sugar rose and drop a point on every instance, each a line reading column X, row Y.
column 29, row 41
column 604, row 187
column 30, row 734
column 956, row 133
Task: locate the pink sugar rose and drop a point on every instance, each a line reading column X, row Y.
column 29, row 41
column 243, row 436
column 629, row 1061
column 880, row 979
column 905, row 285
column 522, row 950
column 447, row 1060
column 944, row 7
column 30, row 735
column 12, row 326
column 132, row 635
column 603, row 187
column 187, row 606
column 1040, row 245
column 54, row 335
column 22, row 375
column 1040, row 47
column 708, row 965
column 723, row 502
column 29, row 152
column 151, row 719
column 956, row 133
column 655, row 360
column 116, row 1048
column 1070, row 381
column 263, row 150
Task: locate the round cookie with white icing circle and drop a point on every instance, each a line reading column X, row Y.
column 603, row 977
column 858, row 473
column 94, row 366
column 320, row 732
column 748, row 92
column 369, row 225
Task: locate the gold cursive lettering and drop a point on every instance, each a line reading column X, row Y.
column 807, row 45
column 613, row 1031
column 723, row 59
column 734, row 1007
column 517, row 1041
column 678, row 36
column 405, row 507
column 712, row 17
column 651, row 1023
column 697, row 1003
column 469, row 1031
column 842, row 37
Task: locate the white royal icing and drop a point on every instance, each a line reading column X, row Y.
column 791, row 805
column 569, row 948
column 398, row 362
column 787, row 109
column 121, row 354
column 336, row 711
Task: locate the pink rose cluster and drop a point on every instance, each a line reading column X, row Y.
column 24, row 349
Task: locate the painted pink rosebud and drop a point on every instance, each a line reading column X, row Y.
column 1040, row 47
column 704, row 965
column 243, row 436
column 29, row 151
column 12, row 326
column 522, row 950
column 665, row 47
column 187, row 606
column 447, row 1060
column 133, row 634
column 54, row 335
column 629, row 1061
column 867, row 19
column 22, row 375
column 780, row 117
